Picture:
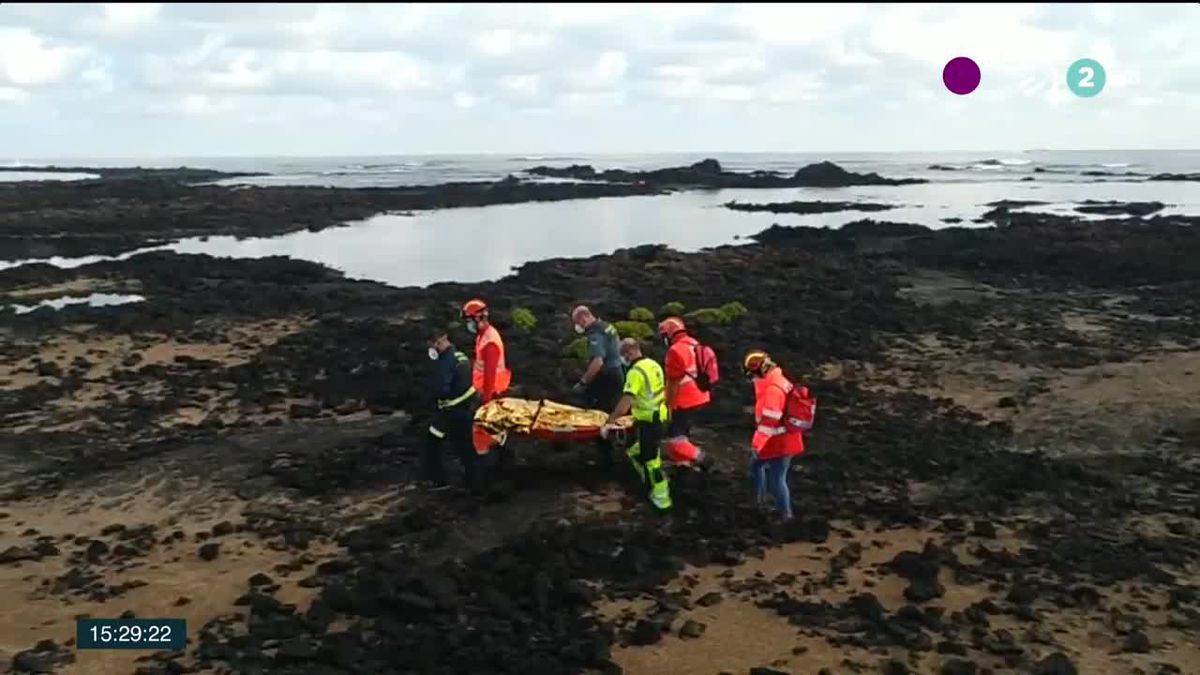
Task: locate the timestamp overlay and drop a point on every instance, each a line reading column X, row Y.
column 148, row 634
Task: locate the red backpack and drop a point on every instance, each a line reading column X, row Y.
column 800, row 409
column 707, row 374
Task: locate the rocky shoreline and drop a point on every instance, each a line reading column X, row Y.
column 115, row 215
column 182, row 174
column 808, row 207
column 1005, row 475
column 132, row 208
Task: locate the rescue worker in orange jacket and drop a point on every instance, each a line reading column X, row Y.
column 685, row 398
column 490, row 374
column 775, row 442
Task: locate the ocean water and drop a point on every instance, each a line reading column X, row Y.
column 93, row 300
column 20, row 176
column 393, row 170
column 481, row 243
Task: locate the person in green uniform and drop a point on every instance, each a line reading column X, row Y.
column 645, row 398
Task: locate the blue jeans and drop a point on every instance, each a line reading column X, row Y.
column 773, row 474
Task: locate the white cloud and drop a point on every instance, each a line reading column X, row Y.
column 521, row 85
column 610, row 67
column 126, row 17
column 13, row 95
column 798, row 24
column 203, row 105
column 997, row 37
column 505, row 41
column 99, row 77
column 593, row 102
column 25, row 59
column 549, row 71
column 242, row 73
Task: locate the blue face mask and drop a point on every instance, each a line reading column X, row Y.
column 471, row 327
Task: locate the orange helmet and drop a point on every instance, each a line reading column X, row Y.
column 474, row 308
column 756, row 362
column 670, row 326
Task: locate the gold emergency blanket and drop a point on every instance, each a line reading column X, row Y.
column 522, row 416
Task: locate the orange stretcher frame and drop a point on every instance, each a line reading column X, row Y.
column 484, row 440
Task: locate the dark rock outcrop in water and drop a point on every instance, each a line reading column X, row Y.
column 1120, row 208
column 1111, row 174
column 808, row 207
column 709, row 173
column 181, row 174
column 1175, row 176
column 1014, row 203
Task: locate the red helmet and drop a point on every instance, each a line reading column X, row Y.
column 474, row 308
column 670, row 326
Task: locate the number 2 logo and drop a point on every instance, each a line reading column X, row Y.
column 1085, row 78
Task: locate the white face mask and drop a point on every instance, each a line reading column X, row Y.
column 433, row 354
column 579, row 329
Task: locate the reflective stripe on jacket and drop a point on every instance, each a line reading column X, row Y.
column 772, row 436
column 647, row 385
column 451, row 386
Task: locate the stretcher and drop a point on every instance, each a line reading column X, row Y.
column 543, row 420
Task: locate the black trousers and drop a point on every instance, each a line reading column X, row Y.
column 455, row 427
column 649, row 437
column 603, row 393
column 681, row 422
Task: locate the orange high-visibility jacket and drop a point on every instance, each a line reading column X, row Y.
column 772, row 437
column 490, row 376
column 683, row 367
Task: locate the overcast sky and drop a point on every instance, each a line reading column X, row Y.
column 244, row 79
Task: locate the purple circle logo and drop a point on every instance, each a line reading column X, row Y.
column 961, row 75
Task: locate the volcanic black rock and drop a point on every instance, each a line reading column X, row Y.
column 1120, row 208
column 45, row 657
column 959, row 667
column 16, row 554
column 808, row 207
column 710, row 173
column 923, row 590
column 1055, row 664
column 645, row 633
column 1137, row 643
column 1175, row 176
column 209, row 551
column 692, row 629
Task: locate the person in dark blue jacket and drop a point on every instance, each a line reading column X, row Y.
column 454, row 419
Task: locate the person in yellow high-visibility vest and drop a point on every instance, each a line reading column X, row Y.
column 645, row 397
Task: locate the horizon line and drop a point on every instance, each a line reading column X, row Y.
column 568, row 153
